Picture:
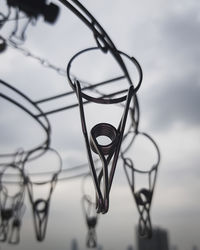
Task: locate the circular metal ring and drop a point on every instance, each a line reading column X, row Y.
column 103, row 40
column 135, row 134
column 37, row 205
column 103, row 129
column 52, row 176
column 143, row 197
column 102, row 100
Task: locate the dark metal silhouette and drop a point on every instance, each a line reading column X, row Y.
column 32, row 10
column 40, row 206
column 107, row 99
column 91, row 220
column 106, row 152
column 10, row 205
column 7, row 93
column 90, row 214
column 14, row 237
column 101, row 37
column 3, row 44
column 143, row 196
column 111, row 151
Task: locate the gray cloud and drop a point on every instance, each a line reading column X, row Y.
column 176, row 99
column 176, row 102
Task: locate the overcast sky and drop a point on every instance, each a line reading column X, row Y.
column 164, row 36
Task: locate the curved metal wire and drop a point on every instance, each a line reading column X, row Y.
column 3, row 44
column 105, row 44
column 91, row 218
column 143, row 196
column 11, row 205
column 108, row 154
column 90, row 214
column 101, row 99
column 43, row 122
column 40, row 206
column 14, row 237
column 111, row 153
column 102, row 39
column 32, row 10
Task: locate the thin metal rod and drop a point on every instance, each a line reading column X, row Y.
column 76, row 104
column 62, row 109
column 84, row 88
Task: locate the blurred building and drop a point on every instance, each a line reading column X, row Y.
column 159, row 241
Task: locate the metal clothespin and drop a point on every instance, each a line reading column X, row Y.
column 142, row 196
column 91, row 219
column 108, row 154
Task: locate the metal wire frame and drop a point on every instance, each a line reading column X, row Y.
column 142, row 197
column 14, row 237
column 102, row 100
column 47, row 64
column 16, row 18
column 90, row 214
column 91, row 218
column 90, row 87
column 104, row 173
column 61, row 176
column 134, row 112
column 102, row 39
column 103, row 199
column 31, row 10
column 74, row 168
column 43, row 122
column 41, row 206
column 21, row 38
column 106, row 45
column 105, row 153
column 10, row 206
column 135, row 117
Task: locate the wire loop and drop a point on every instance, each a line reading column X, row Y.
column 143, row 196
column 40, row 206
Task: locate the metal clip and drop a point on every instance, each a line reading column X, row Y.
column 143, row 196
column 106, row 153
column 91, row 220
